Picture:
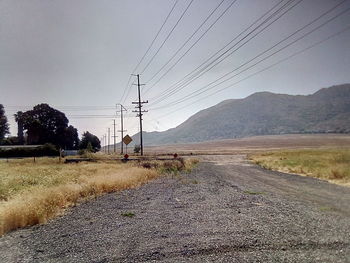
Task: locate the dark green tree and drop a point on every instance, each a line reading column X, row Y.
column 71, row 138
column 92, row 139
column 89, row 147
column 44, row 124
column 20, row 133
column 4, row 126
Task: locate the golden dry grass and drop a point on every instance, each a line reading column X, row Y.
column 329, row 164
column 32, row 193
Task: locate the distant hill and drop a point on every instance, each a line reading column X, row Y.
column 263, row 113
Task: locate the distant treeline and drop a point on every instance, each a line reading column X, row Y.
column 38, row 151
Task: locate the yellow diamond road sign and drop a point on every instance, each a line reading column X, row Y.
column 127, row 139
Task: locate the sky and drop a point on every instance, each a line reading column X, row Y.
column 78, row 56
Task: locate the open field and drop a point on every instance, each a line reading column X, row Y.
column 255, row 144
column 32, row 193
column 324, row 156
column 329, row 164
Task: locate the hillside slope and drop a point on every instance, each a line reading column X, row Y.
column 263, row 113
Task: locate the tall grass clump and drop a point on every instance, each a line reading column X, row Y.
column 171, row 166
column 329, row 164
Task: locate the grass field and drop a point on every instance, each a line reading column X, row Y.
column 329, row 164
column 31, row 193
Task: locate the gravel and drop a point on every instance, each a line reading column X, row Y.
column 226, row 210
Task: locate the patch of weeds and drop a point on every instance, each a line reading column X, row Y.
column 128, row 214
column 336, row 174
column 253, row 192
column 149, row 165
column 327, row 209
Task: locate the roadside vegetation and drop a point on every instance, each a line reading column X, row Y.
column 32, row 193
column 329, row 164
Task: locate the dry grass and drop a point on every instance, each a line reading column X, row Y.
column 33, row 193
column 171, row 166
column 328, row 164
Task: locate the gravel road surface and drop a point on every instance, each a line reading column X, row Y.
column 226, row 210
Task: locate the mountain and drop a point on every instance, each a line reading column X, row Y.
column 263, row 113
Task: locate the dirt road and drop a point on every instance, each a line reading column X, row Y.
column 226, row 210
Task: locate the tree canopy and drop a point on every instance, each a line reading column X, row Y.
column 92, row 139
column 4, row 126
column 44, row 124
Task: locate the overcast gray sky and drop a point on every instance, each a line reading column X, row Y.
column 76, row 55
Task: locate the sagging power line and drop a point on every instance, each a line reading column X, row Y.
column 258, row 72
column 207, row 87
column 202, row 69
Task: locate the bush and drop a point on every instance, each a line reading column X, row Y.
column 44, row 150
column 137, row 148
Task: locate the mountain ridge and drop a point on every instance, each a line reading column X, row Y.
column 263, row 113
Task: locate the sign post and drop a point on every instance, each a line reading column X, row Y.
column 127, row 139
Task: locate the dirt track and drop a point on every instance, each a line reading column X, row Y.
column 225, row 211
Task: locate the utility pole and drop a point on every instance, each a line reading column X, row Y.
column 109, row 136
column 140, row 111
column 104, row 143
column 105, row 139
column 114, row 136
column 122, row 108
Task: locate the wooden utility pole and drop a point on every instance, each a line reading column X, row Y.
column 122, row 108
column 109, row 136
column 140, row 111
column 114, row 136
column 104, row 143
column 105, row 139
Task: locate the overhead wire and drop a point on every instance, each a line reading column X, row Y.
column 178, row 85
column 189, row 38
column 175, row 89
column 148, row 49
column 202, row 90
column 190, row 48
column 167, row 37
column 258, row 72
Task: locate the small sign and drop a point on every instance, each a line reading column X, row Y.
column 127, row 139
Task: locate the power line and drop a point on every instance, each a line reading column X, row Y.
column 188, row 39
column 148, row 49
column 176, row 88
column 189, row 49
column 154, row 39
column 169, row 91
column 167, row 37
column 202, row 90
column 260, row 71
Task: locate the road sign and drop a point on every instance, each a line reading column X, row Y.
column 127, row 139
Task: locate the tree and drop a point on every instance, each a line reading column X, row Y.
column 20, row 134
column 4, row 126
column 48, row 125
column 71, row 138
column 92, row 139
column 89, row 147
